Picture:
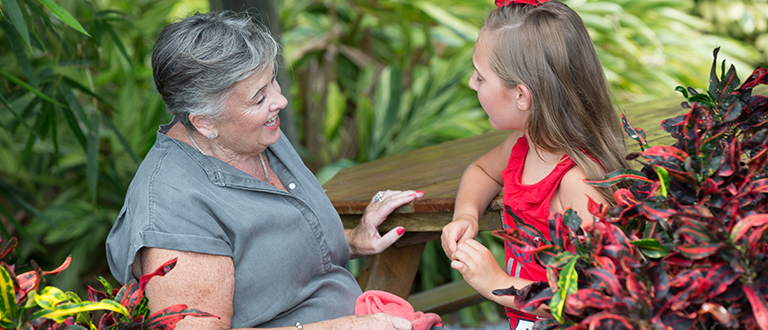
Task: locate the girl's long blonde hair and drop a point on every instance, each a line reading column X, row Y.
column 547, row 48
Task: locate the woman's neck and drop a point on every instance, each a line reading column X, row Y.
column 250, row 164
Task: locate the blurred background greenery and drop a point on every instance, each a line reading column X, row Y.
column 367, row 79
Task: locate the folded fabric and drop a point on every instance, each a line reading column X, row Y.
column 374, row 301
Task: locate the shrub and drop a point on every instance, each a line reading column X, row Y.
column 685, row 246
column 26, row 303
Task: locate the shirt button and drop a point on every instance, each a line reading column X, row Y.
column 292, row 186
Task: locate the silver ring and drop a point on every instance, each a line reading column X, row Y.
column 378, row 196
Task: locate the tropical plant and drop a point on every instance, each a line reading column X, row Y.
column 685, row 248
column 26, row 303
column 746, row 21
column 77, row 114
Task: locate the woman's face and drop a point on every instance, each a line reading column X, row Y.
column 498, row 101
column 250, row 123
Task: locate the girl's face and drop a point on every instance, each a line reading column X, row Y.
column 498, row 101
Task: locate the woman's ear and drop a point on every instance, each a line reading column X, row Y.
column 523, row 97
column 204, row 125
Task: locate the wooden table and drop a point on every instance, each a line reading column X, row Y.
column 436, row 170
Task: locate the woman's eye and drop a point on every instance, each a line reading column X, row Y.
column 261, row 100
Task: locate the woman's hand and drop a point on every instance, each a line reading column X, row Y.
column 378, row 321
column 365, row 239
column 457, row 232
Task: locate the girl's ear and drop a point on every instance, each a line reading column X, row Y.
column 204, row 125
column 523, row 97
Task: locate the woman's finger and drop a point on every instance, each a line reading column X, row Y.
column 389, row 238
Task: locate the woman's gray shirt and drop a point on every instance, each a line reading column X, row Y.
column 288, row 248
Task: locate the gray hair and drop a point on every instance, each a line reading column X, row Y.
column 197, row 60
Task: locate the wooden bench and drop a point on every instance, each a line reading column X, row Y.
column 436, row 170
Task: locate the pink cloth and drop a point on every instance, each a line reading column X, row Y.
column 374, row 301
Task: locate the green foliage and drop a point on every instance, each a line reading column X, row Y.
column 26, row 303
column 685, row 246
column 78, row 113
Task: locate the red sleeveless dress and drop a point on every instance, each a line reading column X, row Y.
column 531, row 204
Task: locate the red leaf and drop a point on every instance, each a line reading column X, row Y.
column 707, row 188
column 160, row 271
column 624, row 197
column 699, row 251
column 129, row 295
column 587, row 298
column 167, row 318
column 759, row 76
column 552, row 278
column 718, row 279
column 665, row 154
column 96, row 295
column 606, row 320
column 686, row 278
column 60, row 268
column 755, row 237
column 694, row 232
column 27, row 281
column 718, row 312
column 758, row 162
column 743, row 226
column 8, row 247
column 605, row 263
column 607, row 281
column 759, row 186
column 757, row 301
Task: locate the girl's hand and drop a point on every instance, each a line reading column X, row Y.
column 365, row 239
column 479, row 268
column 457, row 232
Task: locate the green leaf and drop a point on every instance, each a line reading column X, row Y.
column 17, row 19
column 663, row 178
column 28, row 87
column 19, row 51
column 50, row 297
column 61, row 312
column 120, row 137
column 92, row 166
column 116, row 40
column 64, row 15
column 107, row 286
column 567, row 284
column 335, row 107
column 617, row 176
column 651, row 247
column 7, row 296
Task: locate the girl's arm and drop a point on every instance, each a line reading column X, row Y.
column 479, row 184
column 573, row 192
column 483, row 273
column 207, row 282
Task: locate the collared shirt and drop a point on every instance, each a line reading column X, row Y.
column 288, row 248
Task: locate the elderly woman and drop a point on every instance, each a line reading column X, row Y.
column 258, row 242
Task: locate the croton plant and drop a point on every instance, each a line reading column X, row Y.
column 685, row 245
column 26, row 303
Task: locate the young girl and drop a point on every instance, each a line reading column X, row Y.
column 537, row 73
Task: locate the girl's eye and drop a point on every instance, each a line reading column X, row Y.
column 478, row 79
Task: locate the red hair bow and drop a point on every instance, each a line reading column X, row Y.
column 502, row 3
